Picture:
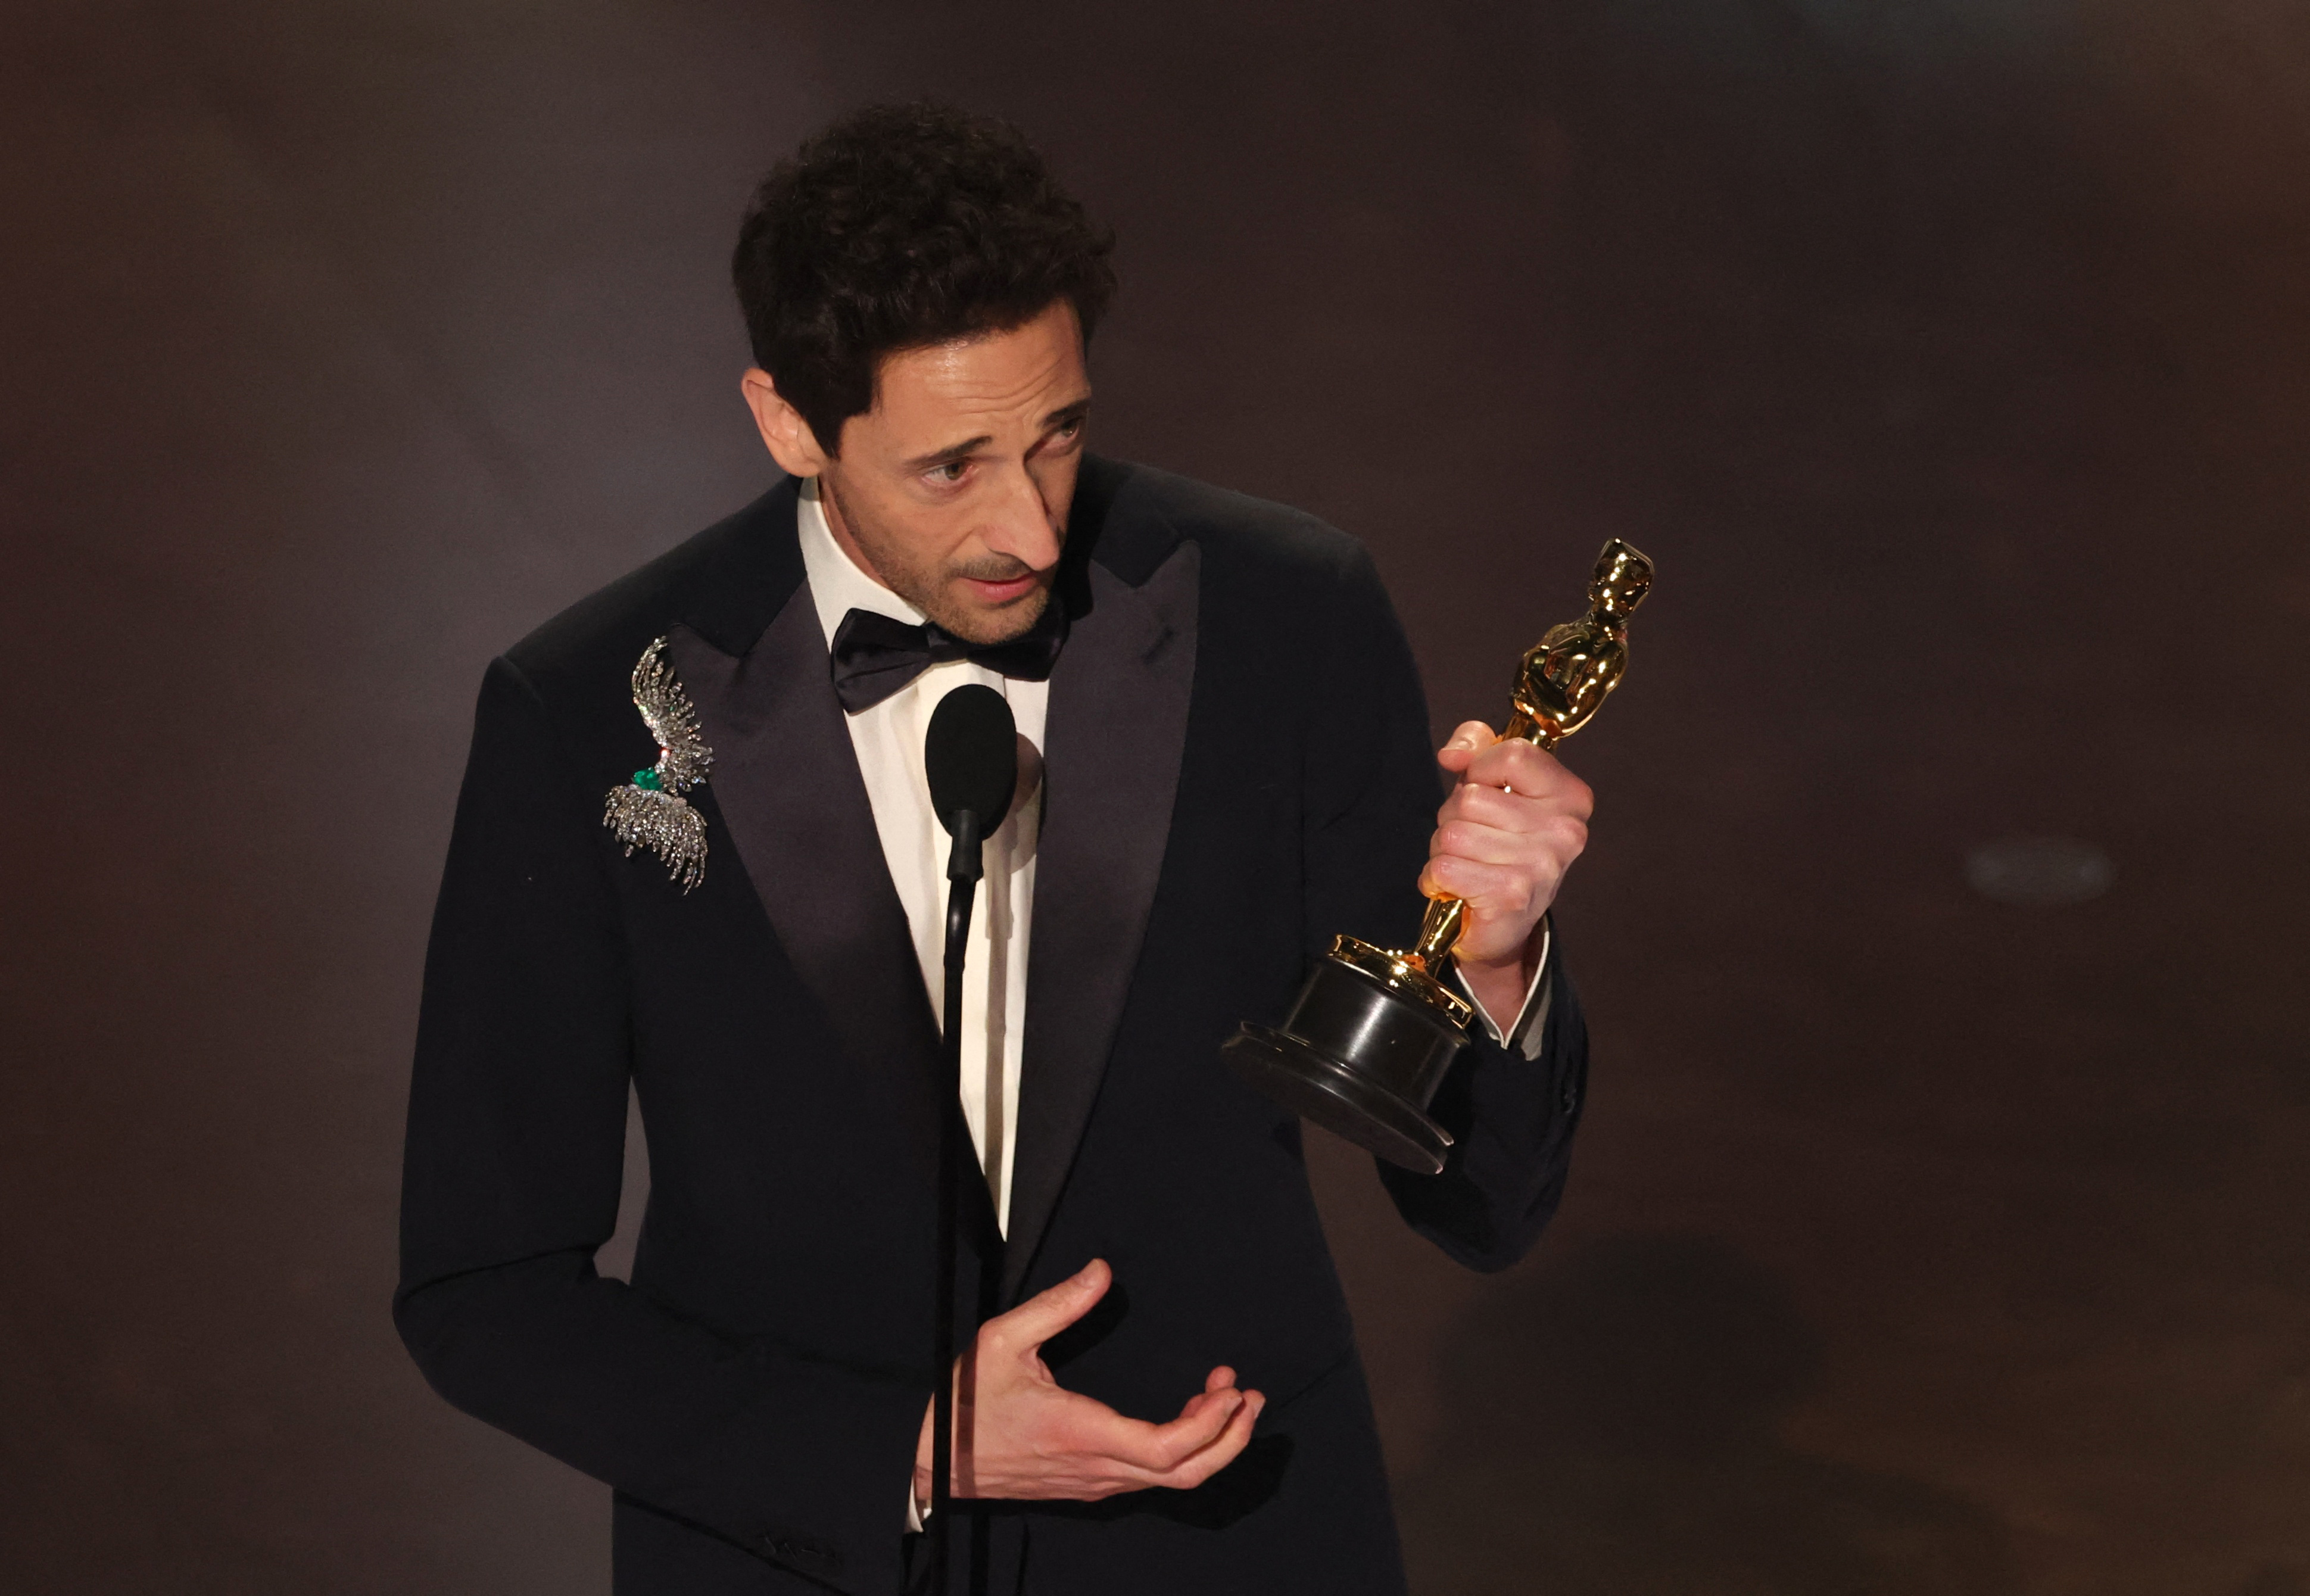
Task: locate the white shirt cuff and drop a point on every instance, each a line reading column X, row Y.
column 1531, row 1019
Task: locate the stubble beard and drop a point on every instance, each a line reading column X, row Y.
column 980, row 624
column 930, row 588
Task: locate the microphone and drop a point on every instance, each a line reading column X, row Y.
column 971, row 757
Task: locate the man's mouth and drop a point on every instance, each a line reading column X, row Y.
column 1003, row 591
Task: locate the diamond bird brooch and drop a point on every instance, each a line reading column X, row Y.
column 650, row 810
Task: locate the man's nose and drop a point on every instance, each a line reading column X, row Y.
column 1019, row 523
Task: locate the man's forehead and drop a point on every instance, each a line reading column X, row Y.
column 1020, row 378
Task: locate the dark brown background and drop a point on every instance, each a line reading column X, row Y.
column 1948, row 355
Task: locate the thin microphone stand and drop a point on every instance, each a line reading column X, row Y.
column 965, row 866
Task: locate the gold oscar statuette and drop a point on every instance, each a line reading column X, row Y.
column 1374, row 1030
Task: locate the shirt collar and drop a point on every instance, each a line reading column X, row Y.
column 837, row 584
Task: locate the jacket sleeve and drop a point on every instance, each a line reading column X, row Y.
column 1373, row 788
column 517, row 1126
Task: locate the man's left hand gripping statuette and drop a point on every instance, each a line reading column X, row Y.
column 650, row 810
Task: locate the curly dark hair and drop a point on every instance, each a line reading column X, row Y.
column 899, row 227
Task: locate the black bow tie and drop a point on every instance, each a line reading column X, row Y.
column 874, row 655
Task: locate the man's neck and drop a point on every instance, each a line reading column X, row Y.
column 830, row 502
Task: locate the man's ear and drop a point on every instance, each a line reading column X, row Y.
column 791, row 442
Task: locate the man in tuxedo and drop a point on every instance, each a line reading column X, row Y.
column 1224, row 762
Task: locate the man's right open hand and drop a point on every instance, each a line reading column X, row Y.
column 1019, row 1434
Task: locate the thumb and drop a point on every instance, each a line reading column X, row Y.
column 1469, row 739
column 1047, row 1312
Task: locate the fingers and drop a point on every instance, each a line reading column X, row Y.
column 1513, row 890
column 1467, row 738
column 1161, row 1447
column 1517, row 769
column 1521, row 810
column 1206, row 1436
column 1218, row 1394
column 1529, row 772
column 1556, row 839
column 1046, row 1443
column 1145, row 1452
column 1219, row 1389
column 1031, row 1438
column 1509, row 831
column 1045, row 1314
column 1224, row 1448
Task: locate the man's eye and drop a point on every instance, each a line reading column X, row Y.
column 950, row 473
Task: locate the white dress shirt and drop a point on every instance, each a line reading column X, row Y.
column 1523, row 1036
column 887, row 739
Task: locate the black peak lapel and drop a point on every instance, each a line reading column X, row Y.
column 786, row 782
column 756, row 568
column 1116, row 729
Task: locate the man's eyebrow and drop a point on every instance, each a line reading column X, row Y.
column 951, row 453
column 1061, row 416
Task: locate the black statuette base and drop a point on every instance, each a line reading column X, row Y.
column 1359, row 1061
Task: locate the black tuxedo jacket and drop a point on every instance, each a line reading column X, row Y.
column 1237, row 769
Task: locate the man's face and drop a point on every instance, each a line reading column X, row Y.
column 953, row 491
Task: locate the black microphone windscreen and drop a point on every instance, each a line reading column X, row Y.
column 972, row 757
